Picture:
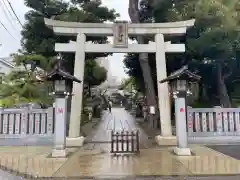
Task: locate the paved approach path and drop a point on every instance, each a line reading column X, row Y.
column 94, row 159
column 118, row 120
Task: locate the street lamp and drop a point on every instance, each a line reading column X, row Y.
column 180, row 84
column 61, row 81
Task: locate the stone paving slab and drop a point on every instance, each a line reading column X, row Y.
column 210, row 162
column 103, row 164
column 158, row 162
column 30, row 160
column 152, row 178
column 152, row 163
column 157, row 178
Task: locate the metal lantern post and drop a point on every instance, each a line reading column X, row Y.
column 61, row 81
column 179, row 82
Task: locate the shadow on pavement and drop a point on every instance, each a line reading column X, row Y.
column 230, row 150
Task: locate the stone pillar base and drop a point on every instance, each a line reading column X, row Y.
column 75, row 142
column 182, row 151
column 166, row 141
column 59, row 153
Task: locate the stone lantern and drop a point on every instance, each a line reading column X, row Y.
column 180, row 83
column 61, row 81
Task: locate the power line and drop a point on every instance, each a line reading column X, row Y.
column 14, row 13
column 7, row 30
column 5, row 5
column 7, row 16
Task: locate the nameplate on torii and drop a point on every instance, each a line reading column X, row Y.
column 120, row 34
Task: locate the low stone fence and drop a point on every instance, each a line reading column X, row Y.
column 213, row 125
column 31, row 125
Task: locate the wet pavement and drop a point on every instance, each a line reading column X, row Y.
column 118, row 120
column 94, row 161
column 152, row 162
column 30, row 160
column 7, row 176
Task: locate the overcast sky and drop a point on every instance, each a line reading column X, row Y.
column 9, row 44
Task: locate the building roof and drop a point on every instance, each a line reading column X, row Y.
column 58, row 74
column 184, row 74
column 8, row 61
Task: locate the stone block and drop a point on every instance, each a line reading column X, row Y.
column 59, row 153
column 166, row 141
column 182, row 151
column 75, row 142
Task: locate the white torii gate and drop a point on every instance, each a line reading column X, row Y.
column 121, row 32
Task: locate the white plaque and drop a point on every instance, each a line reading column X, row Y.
column 120, row 36
column 17, row 124
column 11, row 124
column 43, row 123
column 152, row 110
column 5, row 124
column 204, row 122
column 225, row 122
column 31, row 123
column 37, row 123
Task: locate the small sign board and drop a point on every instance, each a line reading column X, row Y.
column 152, row 110
column 120, row 34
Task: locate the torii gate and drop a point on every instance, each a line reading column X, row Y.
column 120, row 31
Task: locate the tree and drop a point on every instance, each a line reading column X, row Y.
column 135, row 17
column 128, row 84
column 31, row 61
column 38, row 40
column 18, row 87
column 211, row 45
column 213, row 41
column 94, row 74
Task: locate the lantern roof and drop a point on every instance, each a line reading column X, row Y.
column 58, row 73
column 182, row 74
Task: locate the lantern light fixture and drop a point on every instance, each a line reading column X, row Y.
column 180, row 81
